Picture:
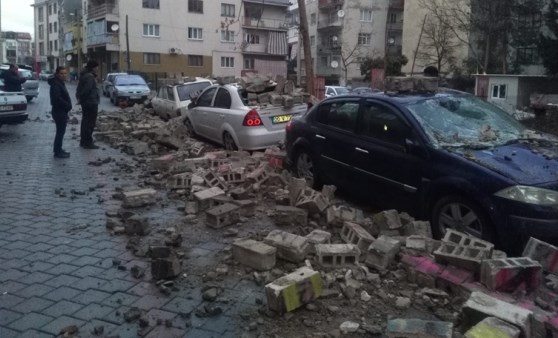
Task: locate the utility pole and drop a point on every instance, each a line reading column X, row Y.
column 418, row 45
column 307, row 52
column 127, row 45
column 299, row 60
column 1, row 37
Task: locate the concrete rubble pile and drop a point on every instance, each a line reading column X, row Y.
column 263, row 92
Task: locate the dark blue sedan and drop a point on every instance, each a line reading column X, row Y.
column 448, row 157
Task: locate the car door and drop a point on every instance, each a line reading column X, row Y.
column 199, row 114
column 220, row 113
column 332, row 131
column 381, row 159
column 169, row 103
column 157, row 101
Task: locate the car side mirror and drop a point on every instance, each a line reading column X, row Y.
column 191, row 105
column 414, row 147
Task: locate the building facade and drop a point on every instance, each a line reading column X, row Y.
column 47, row 34
column 16, row 48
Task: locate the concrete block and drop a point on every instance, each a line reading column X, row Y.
column 233, row 177
column 461, row 256
column 312, row 201
column 355, row 234
column 287, row 101
column 480, row 305
column 422, row 270
column 260, row 175
column 546, row 254
column 337, row 255
column 222, row 215
column 387, row 220
column 296, row 186
column 165, row 268
column 263, row 98
column 336, row 215
column 137, row 225
column 247, row 207
column 219, row 200
column 191, row 207
column 318, row 237
column 382, row 252
column 163, row 163
column 286, row 215
column 212, row 180
column 508, row 274
column 493, row 327
column 204, row 196
column 275, row 99
column 451, row 279
column 159, row 251
column 408, row 328
column 180, row 181
column 462, row 239
column 240, row 193
column 139, row 198
column 290, row 247
column 411, row 84
column 329, row 192
column 418, row 243
column 418, row 228
column 294, row 290
column 257, row 255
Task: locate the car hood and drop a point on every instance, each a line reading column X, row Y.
column 525, row 162
column 138, row 88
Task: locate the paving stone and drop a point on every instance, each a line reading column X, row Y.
column 7, row 316
column 91, row 296
column 181, row 305
column 118, row 285
column 88, row 270
column 162, row 331
column 30, row 321
column 7, row 333
column 88, row 328
column 62, row 280
column 63, row 307
column 59, row 323
column 37, row 266
column 33, row 304
column 34, row 334
column 120, row 298
column 148, row 302
column 37, row 277
column 38, row 290
column 199, row 333
column 93, row 311
column 62, row 292
column 125, row 331
column 86, row 260
column 219, row 324
column 13, row 274
column 89, row 283
column 8, row 301
column 85, row 252
column 11, row 286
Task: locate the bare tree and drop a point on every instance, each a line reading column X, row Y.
column 438, row 43
column 306, row 43
column 350, row 54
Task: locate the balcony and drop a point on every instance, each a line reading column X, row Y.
column 324, row 4
column 398, row 5
column 330, row 23
column 395, row 27
column 326, row 70
column 103, row 39
column 281, row 3
column 99, row 11
column 265, row 23
column 328, row 48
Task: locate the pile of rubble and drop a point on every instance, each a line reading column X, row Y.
column 262, row 91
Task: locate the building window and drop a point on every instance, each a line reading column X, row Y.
column 392, row 18
column 55, row 27
column 227, row 62
column 527, row 56
column 227, row 10
column 195, row 60
column 313, row 18
column 41, row 49
column 54, row 8
column 50, row 47
column 249, row 63
column 41, row 14
column 251, row 38
column 227, row 36
column 150, row 30
column 364, row 38
column 153, row 4
column 151, row 58
column 49, row 9
column 50, row 27
column 41, row 32
column 499, row 91
column 195, row 33
column 366, row 15
column 312, row 40
column 195, row 6
column 55, row 44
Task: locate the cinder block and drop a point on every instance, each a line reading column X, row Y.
column 337, row 255
column 165, row 268
column 493, row 327
column 387, row 220
column 164, row 162
column 462, row 239
column 286, row 215
column 275, row 99
column 139, row 198
column 312, row 201
column 355, row 234
column 180, row 181
column 213, row 180
column 296, row 186
column 260, row 175
column 197, row 150
column 510, row 273
column 287, row 101
column 247, row 207
column 233, row 177
column 468, row 258
column 294, row 290
column 418, row 243
column 336, row 215
column 422, row 270
column 219, row 200
column 137, row 225
column 257, row 255
column 159, row 251
column 191, row 207
column 480, row 305
column 318, row 237
column 418, row 228
column 397, row 328
column 222, row 215
column 204, row 196
column 544, row 253
column 382, row 252
column 290, row 247
column 263, row 98
column 452, row 279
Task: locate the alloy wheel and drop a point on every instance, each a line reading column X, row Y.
column 305, row 167
column 460, row 217
column 228, row 142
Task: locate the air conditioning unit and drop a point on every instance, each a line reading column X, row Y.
column 174, row 50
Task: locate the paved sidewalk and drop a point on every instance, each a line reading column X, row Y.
column 56, row 257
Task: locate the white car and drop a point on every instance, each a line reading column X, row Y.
column 129, row 88
column 170, row 99
column 221, row 114
column 30, row 88
column 109, row 82
column 336, row 90
column 13, row 108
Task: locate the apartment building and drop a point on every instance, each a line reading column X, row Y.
column 16, row 47
column 342, row 33
column 47, row 35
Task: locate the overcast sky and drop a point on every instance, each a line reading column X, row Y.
column 17, row 16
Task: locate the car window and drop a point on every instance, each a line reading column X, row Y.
column 162, row 93
column 129, row 80
column 170, row 94
column 222, row 99
column 339, row 114
column 330, row 91
column 26, row 74
column 206, row 98
column 184, row 91
column 382, row 123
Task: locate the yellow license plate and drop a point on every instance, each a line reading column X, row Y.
column 281, row 119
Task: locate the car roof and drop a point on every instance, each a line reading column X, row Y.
column 402, row 98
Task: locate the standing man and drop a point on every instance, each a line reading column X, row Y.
column 61, row 105
column 87, row 95
column 12, row 80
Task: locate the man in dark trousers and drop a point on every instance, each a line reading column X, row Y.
column 12, row 80
column 88, row 96
column 61, row 105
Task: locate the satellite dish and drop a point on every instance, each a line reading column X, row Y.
column 334, row 64
column 69, row 57
column 391, row 41
column 341, row 13
column 334, row 38
column 114, row 27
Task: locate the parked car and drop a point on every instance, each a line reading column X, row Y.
column 30, row 88
column 221, row 114
column 170, row 99
column 13, row 108
column 364, row 90
column 131, row 88
column 336, row 90
column 448, row 157
column 45, row 74
column 108, row 82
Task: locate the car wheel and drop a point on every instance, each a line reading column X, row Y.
column 228, row 142
column 189, row 127
column 461, row 214
column 305, row 167
column 29, row 98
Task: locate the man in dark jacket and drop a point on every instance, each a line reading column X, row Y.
column 88, row 96
column 61, row 105
column 12, row 80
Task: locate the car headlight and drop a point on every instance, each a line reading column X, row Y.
column 531, row 195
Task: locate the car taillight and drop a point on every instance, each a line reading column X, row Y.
column 289, row 126
column 252, row 119
column 20, row 107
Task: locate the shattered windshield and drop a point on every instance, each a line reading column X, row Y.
column 131, row 80
column 184, row 91
column 465, row 121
